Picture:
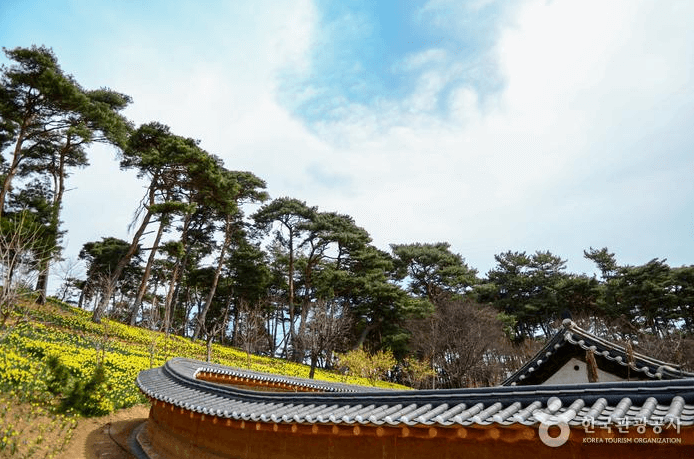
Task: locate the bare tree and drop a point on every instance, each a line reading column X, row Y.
column 463, row 341
column 325, row 328
column 213, row 331
column 68, row 270
column 19, row 268
column 250, row 333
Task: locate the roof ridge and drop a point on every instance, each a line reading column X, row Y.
column 575, row 328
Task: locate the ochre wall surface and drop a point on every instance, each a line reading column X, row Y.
column 178, row 433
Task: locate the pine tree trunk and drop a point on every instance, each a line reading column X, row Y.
column 173, row 286
column 113, row 279
column 220, row 264
column 145, row 276
column 16, row 157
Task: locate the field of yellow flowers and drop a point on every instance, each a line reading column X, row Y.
column 35, row 334
column 60, row 330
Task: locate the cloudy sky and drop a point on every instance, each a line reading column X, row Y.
column 492, row 125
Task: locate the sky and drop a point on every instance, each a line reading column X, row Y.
column 491, row 125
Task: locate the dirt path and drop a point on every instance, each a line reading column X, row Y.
column 105, row 437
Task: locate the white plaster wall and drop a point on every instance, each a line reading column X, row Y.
column 574, row 372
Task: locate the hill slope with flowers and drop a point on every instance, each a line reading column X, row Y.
column 58, row 365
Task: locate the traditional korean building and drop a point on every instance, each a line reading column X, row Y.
column 567, row 357
column 201, row 410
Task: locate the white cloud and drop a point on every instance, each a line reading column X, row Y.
column 590, row 90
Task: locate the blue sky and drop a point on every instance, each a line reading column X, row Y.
column 493, row 125
column 363, row 51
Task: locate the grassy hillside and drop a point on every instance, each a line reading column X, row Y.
column 37, row 397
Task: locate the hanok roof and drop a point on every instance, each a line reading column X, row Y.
column 572, row 342
column 178, row 383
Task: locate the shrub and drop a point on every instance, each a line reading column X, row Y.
column 370, row 366
column 87, row 398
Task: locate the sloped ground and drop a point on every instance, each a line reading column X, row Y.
column 31, row 426
column 106, row 436
column 28, row 430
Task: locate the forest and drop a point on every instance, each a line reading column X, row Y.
column 288, row 279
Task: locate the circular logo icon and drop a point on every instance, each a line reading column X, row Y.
column 557, row 441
